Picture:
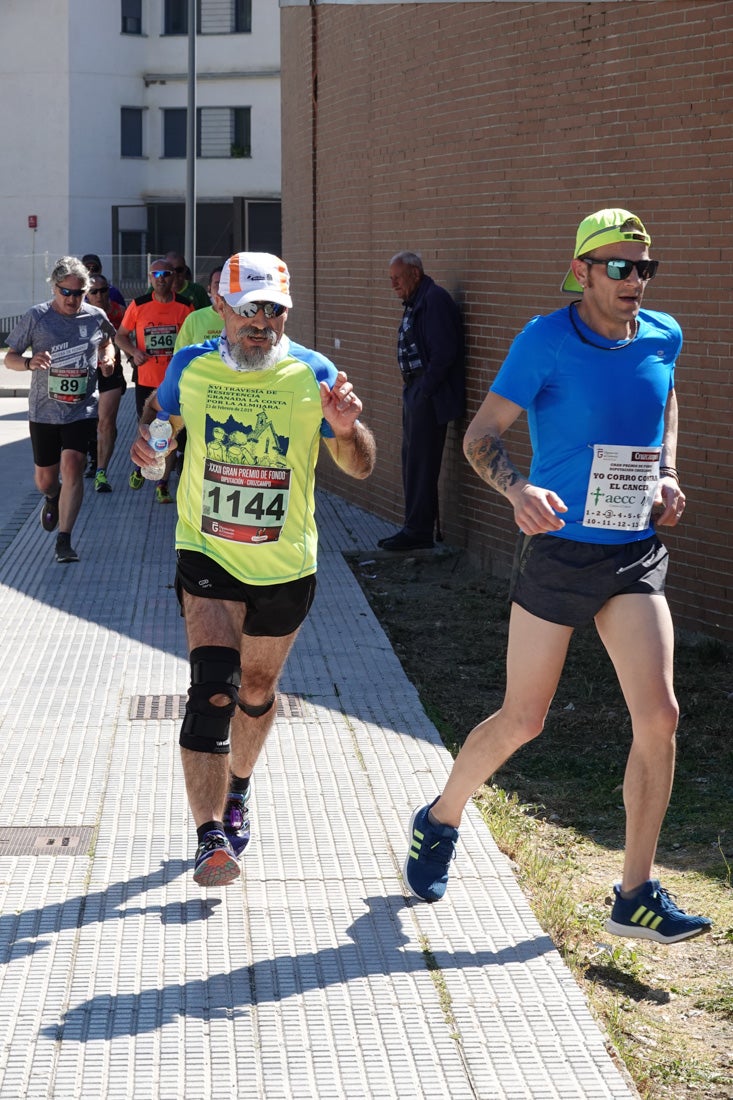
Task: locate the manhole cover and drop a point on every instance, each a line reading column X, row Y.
column 148, row 708
column 49, row 841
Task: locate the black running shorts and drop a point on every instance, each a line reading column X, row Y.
column 272, row 610
column 569, row 582
column 48, row 440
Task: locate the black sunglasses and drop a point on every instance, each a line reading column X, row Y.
column 251, row 309
column 67, row 293
column 93, row 269
column 621, row 269
column 99, row 290
column 179, row 270
column 160, row 274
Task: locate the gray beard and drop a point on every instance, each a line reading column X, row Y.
column 256, row 358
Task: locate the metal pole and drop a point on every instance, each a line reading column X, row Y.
column 190, row 244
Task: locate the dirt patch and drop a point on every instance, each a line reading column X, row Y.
column 556, row 809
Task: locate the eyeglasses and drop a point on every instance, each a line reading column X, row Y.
column 98, row 290
column 621, row 269
column 179, row 270
column 94, row 269
column 251, row 309
column 160, row 274
column 67, row 293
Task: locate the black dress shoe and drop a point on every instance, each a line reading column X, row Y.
column 402, row 541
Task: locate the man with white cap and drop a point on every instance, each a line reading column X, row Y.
column 254, row 405
column 597, row 382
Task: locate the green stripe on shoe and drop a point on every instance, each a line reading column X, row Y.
column 646, row 918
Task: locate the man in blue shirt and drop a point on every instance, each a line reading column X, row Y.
column 597, row 382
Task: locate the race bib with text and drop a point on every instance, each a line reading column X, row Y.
column 244, row 503
column 67, row 382
column 621, row 487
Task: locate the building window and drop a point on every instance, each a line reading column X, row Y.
column 174, row 132
column 242, row 16
column 175, row 17
column 221, row 132
column 131, row 131
column 132, row 17
column 212, row 17
column 225, row 16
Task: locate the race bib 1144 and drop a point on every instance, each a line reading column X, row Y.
column 244, row 503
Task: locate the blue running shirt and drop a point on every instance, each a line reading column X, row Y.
column 578, row 396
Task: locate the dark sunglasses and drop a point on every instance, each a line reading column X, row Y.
column 160, row 274
column 251, row 309
column 67, row 293
column 179, row 270
column 99, row 290
column 621, row 269
column 94, row 269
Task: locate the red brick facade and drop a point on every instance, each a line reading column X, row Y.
column 479, row 134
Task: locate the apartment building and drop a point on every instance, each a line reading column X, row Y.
column 94, row 134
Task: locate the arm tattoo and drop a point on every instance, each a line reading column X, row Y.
column 491, row 462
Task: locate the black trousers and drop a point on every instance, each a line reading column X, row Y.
column 423, row 440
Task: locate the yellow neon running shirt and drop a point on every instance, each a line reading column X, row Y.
column 246, row 496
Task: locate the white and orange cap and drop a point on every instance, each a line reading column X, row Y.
column 255, row 277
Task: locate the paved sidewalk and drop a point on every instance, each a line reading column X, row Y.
column 13, row 383
column 314, row 976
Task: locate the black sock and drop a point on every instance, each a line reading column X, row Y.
column 207, row 828
column 237, row 785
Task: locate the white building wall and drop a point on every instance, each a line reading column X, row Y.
column 66, row 71
column 34, row 139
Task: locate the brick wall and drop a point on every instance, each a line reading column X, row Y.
column 480, row 134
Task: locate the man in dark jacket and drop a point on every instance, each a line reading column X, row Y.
column 430, row 354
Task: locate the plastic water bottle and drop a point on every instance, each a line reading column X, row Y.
column 160, row 433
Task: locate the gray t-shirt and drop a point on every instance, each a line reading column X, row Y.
column 67, row 391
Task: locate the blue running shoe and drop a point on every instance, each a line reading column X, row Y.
column 652, row 915
column 236, row 821
column 215, row 863
column 432, row 847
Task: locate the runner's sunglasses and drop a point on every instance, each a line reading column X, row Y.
column 621, row 269
column 66, row 292
column 251, row 309
column 160, row 274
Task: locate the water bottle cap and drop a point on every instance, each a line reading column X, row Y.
column 162, row 415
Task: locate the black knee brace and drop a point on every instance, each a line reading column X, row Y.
column 215, row 670
column 256, row 712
